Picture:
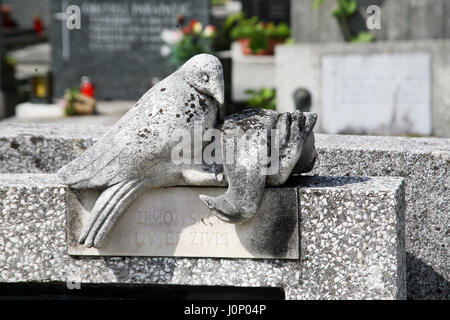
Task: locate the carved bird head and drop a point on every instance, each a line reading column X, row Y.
column 205, row 73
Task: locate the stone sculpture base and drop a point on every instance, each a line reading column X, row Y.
column 351, row 243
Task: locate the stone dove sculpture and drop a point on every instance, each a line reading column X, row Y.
column 135, row 154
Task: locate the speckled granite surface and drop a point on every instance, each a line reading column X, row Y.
column 352, row 243
column 423, row 162
column 425, row 165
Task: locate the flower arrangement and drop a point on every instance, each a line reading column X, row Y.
column 183, row 43
column 258, row 37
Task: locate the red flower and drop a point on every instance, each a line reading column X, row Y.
column 38, row 25
column 191, row 24
column 187, row 30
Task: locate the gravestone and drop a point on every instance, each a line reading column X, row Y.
column 394, row 75
column 274, row 11
column 118, row 44
column 379, row 93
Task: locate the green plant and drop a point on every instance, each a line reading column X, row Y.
column 259, row 33
column 70, row 96
column 363, row 36
column 343, row 11
column 232, row 20
column 264, row 98
column 280, row 31
column 218, row 2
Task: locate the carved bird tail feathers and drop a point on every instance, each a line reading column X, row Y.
column 97, row 167
column 110, row 206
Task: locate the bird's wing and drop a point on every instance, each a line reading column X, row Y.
column 107, row 161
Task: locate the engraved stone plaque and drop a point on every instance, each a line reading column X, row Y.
column 174, row 222
column 377, row 93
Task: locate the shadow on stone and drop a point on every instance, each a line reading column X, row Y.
column 423, row 283
column 322, row 181
column 273, row 235
column 110, row 291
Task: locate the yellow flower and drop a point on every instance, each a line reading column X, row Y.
column 197, row 27
column 209, row 31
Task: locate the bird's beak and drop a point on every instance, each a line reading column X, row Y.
column 219, row 94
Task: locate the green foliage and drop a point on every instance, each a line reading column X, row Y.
column 345, row 8
column 317, row 3
column 280, row 31
column 363, row 37
column 232, row 20
column 258, row 32
column 246, row 28
column 70, row 97
column 10, row 60
column 217, row 2
column 188, row 47
column 264, row 98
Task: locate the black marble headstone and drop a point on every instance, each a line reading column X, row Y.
column 268, row 10
column 118, row 43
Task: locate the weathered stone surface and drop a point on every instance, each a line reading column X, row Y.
column 351, row 237
column 37, row 148
column 423, row 162
column 136, row 153
column 247, row 168
column 174, row 222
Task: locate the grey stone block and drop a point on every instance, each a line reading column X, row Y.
column 423, row 162
column 38, row 148
column 351, row 237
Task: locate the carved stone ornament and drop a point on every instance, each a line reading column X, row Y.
column 137, row 152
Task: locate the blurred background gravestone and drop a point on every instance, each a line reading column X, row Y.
column 392, row 79
column 118, row 45
column 274, row 11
